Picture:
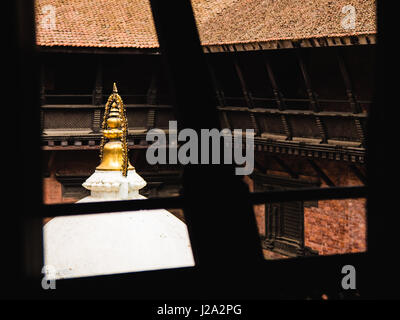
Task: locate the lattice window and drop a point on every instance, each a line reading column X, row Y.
column 284, row 221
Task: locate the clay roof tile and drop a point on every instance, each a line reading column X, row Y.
column 129, row 23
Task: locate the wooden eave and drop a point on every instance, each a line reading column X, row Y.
column 364, row 39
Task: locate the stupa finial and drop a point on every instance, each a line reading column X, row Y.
column 113, row 146
column 107, row 183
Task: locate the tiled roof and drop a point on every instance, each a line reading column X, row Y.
column 129, row 23
column 244, row 21
column 95, row 23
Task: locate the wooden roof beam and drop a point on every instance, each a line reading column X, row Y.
column 359, row 174
column 247, row 95
column 313, row 99
column 355, row 107
column 286, row 167
column 321, row 173
column 279, row 101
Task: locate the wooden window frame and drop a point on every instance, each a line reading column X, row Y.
column 211, row 278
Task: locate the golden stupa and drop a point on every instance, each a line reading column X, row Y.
column 113, row 146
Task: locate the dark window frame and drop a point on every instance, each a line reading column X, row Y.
column 292, row 278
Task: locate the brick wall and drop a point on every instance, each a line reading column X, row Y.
column 337, row 226
column 52, row 191
column 333, row 226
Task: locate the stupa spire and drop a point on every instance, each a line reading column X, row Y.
column 113, row 145
column 107, row 182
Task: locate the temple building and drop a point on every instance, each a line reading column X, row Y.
column 299, row 73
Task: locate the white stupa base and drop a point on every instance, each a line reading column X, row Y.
column 99, row 244
column 112, row 185
column 90, row 245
